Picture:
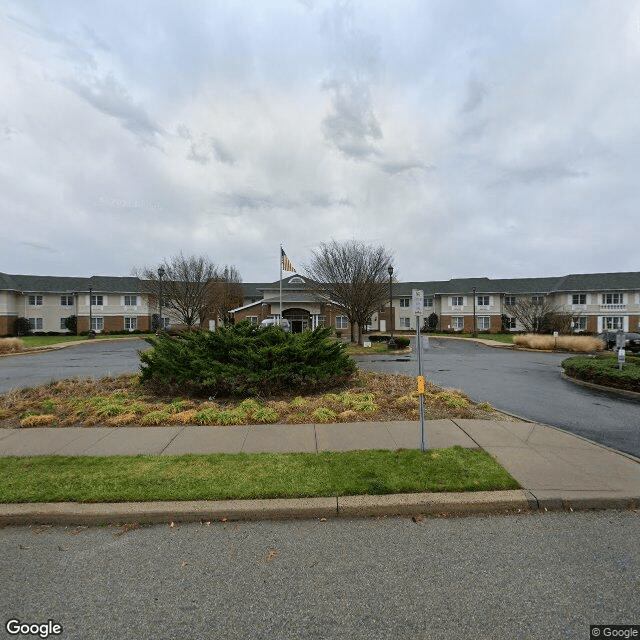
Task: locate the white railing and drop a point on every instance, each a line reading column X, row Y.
column 613, row 307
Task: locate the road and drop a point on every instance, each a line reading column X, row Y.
column 531, row 576
column 525, row 383
column 96, row 358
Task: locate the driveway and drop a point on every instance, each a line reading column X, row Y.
column 90, row 359
column 525, row 383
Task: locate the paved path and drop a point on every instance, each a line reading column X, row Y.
column 556, row 470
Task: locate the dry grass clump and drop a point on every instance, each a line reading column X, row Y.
column 11, row 345
column 122, row 401
column 577, row 344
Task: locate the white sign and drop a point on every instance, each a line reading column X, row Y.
column 417, row 299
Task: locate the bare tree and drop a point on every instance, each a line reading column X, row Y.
column 534, row 313
column 353, row 276
column 192, row 286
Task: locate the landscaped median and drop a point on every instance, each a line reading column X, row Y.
column 248, row 476
column 604, row 370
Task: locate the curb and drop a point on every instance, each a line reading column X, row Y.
column 364, row 506
column 634, row 395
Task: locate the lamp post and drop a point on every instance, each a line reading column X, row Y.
column 90, row 309
column 474, row 312
column 161, row 273
column 392, row 342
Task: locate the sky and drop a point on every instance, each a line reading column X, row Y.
column 498, row 138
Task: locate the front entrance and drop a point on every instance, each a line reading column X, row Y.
column 300, row 319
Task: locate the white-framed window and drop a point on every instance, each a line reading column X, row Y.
column 509, row 301
column 580, row 324
column 164, row 323
column 342, row 322
column 537, row 299
column 483, row 301
column 321, row 321
column 97, row 323
column 63, row 326
column 35, row 324
column 579, row 298
column 457, row 301
column 405, row 302
column 483, row 323
column 613, row 322
column 130, row 323
column 613, row 298
column 97, row 300
column 509, row 323
column 66, row 301
column 428, row 301
column 457, row 323
column 35, row 300
column 253, row 319
column 130, row 301
column 405, row 323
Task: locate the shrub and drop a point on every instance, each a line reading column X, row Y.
column 155, row 417
column 246, row 360
column 577, row 344
column 21, row 327
column 322, row 414
column 265, row 415
column 37, row 421
column 206, row 416
column 11, row 345
column 604, row 370
column 401, row 342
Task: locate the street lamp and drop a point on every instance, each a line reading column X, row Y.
column 90, row 309
column 392, row 342
column 161, row 273
column 474, row 312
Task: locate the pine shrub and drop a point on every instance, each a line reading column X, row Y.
column 246, row 360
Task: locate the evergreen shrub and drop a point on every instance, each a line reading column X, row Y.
column 246, row 360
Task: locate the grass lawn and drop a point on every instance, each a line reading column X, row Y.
column 43, row 341
column 246, row 476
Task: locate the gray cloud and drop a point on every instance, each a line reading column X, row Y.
column 38, row 246
column 541, row 173
column 394, row 168
column 111, row 98
column 205, row 148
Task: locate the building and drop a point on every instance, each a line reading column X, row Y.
column 595, row 302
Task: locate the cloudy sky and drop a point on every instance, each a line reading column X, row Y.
column 498, row 138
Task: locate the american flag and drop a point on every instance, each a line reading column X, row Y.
column 286, row 263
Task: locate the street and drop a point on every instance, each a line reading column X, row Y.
column 530, row 576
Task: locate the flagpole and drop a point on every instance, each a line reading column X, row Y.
column 280, row 257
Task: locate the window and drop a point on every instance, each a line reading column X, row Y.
column 130, row 323
column 405, row 302
column 66, row 301
column 457, row 301
column 35, row 324
column 405, row 323
column 483, row 323
column 97, row 301
column 614, row 322
column 321, row 321
column 509, row 301
column 97, row 323
column 607, row 298
column 63, row 326
column 341, row 322
column 253, row 319
column 428, row 301
column 483, row 301
column 131, row 301
column 537, row 299
column 580, row 324
column 457, row 323
column 579, row 298
column 164, row 323
column 35, row 301
column 509, row 323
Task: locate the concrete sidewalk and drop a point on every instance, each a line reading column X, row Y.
column 557, row 470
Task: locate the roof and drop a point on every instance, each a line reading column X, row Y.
column 68, row 284
column 599, row 282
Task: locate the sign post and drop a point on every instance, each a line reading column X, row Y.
column 417, row 299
